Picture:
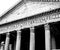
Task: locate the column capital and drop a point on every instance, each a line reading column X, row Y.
column 7, row 35
column 32, row 29
column 46, row 26
column 18, row 30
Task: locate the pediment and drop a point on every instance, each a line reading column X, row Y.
column 29, row 9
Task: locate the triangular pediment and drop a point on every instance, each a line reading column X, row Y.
column 29, row 9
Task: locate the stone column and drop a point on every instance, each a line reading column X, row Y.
column 18, row 41
column 2, row 48
column 2, row 45
column 32, row 39
column 53, row 43
column 47, row 37
column 10, row 47
column 7, row 41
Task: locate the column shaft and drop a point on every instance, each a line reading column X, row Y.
column 53, row 43
column 18, row 41
column 2, row 47
column 7, row 41
column 47, row 37
column 32, row 39
column 10, row 47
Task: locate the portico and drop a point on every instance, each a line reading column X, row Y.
column 12, row 22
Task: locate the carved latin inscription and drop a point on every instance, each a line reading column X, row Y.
column 30, row 22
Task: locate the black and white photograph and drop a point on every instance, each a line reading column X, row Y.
column 29, row 24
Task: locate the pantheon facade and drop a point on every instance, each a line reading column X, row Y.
column 31, row 25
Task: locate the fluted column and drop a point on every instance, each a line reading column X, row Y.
column 7, row 41
column 32, row 39
column 18, row 41
column 47, row 37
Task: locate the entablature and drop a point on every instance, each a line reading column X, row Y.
column 29, row 22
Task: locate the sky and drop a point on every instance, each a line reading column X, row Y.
column 6, row 5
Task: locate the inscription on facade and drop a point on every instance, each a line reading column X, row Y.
column 30, row 22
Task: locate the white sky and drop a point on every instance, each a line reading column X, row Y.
column 6, row 4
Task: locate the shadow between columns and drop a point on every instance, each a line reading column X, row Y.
column 40, row 38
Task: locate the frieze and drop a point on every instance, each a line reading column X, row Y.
column 30, row 22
